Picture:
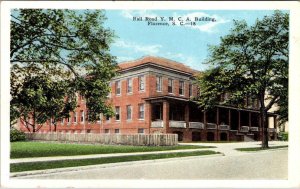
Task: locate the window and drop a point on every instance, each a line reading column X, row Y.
column 117, row 130
column 106, row 131
column 141, row 83
column 129, row 110
column 68, row 119
column 82, row 116
column 181, row 87
column 129, row 85
column 170, row 85
column 141, row 131
column 141, row 111
column 117, row 113
column 107, row 117
column 75, row 117
column 190, row 90
column 109, row 94
column 118, row 87
column 158, row 83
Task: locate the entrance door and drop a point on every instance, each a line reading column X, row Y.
column 180, row 135
column 196, row 136
column 223, row 136
column 210, row 136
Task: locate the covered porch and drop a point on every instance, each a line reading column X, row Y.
column 169, row 114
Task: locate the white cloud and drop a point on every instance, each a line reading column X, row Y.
column 124, row 58
column 138, row 48
column 138, row 13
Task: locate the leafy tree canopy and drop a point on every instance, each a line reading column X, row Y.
column 61, row 45
column 251, row 61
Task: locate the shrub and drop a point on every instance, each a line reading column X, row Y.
column 284, row 136
column 16, row 135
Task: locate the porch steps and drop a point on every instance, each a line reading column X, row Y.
column 248, row 138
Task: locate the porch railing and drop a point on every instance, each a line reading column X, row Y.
column 224, row 127
column 196, row 125
column 244, row 129
column 157, row 124
column 211, row 126
column 271, row 130
column 177, row 124
column 253, row 128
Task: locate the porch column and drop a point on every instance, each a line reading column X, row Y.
column 166, row 114
column 229, row 117
column 250, row 124
column 149, row 115
column 275, row 127
column 204, row 119
column 239, row 119
column 187, row 114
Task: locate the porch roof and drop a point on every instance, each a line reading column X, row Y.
column 167, row 97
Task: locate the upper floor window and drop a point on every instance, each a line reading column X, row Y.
column 141, row 111
column 170, row 85
column 109, row 94
column 75, row 117
column 129, row 111
column 181, row 87
column 107, row 117
column 82, row 116
column 158, row 83
column 141, row 83
column 129, row 85
column 190, row 90
column 117, row 113
column 118, row 87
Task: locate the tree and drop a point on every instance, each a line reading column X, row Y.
column 42, row 99
column 251, row 61
column 61, row 45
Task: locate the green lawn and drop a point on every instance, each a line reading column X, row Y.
column 259, row 148
column 42, row 149
column 84, row 162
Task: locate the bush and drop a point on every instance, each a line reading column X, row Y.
column 16, row 135
column 284, row 136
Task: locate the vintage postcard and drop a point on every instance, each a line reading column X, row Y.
column 150, row 94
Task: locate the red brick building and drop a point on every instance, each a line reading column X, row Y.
column 153, row 95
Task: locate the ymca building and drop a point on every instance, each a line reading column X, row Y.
column 154, row 95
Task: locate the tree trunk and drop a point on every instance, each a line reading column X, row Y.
column 265, row 140
column 264, row 123
column 33, row 125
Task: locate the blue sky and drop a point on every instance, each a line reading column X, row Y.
column 186, row 44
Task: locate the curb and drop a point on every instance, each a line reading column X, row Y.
column 80, row 168
column 92, row 156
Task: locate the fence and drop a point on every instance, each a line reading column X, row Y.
column 123, row 139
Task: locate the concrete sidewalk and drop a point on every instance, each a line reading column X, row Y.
column 229, row 149
column 92, row 156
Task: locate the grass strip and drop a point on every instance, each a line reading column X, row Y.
column 84, row 162
column 259, row 148
column 43, row 149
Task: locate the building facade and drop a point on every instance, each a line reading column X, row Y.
column 154, row 95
